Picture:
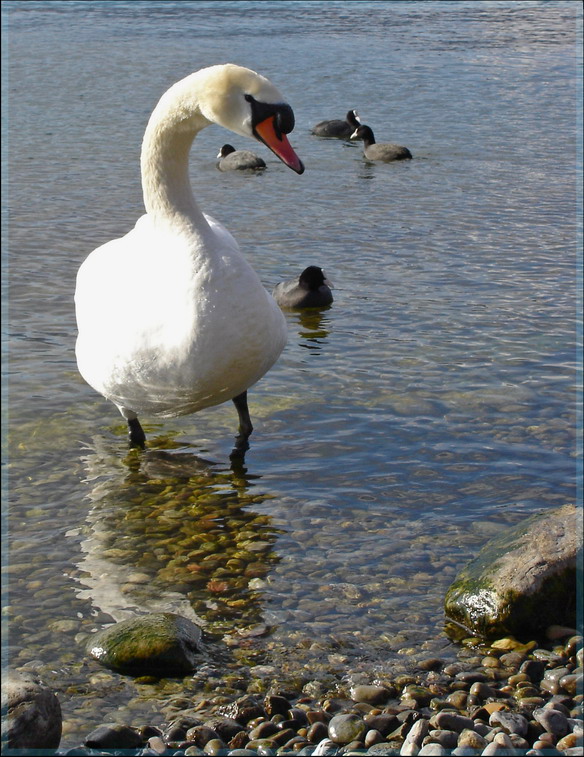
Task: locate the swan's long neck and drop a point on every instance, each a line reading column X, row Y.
column 168, row 196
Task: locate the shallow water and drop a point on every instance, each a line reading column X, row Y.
column 431, row 406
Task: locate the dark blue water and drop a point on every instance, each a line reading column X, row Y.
column 433, row 405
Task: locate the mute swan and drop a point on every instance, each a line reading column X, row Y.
column 385, row 152
column 311, row 290
column 171, row 317
column 239, row 160
column 336, row 128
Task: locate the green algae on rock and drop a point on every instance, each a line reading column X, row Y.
column 523, row 580
column 159, row 644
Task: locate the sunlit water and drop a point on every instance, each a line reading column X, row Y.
column 430, row 407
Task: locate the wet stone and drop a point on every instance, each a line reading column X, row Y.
column 572, row 683
column 225, row 728
column 317, row 732
column 471, row 739
column 370, row 694
column 383, row 749
column 201, row 734
column 325, row 747
column 433, row 750
column 510, row 722
column 263, row 730
column 432, row 663
column 457, row 699
column 553, row 721
column 384, row 723
column 243, row 710
column 275, row 704
column 31, row 713
column 418, row 732
column 155, row 644
column 215, row 747
column 419, row 694
column 451, row 721
column 239, row 740
column 373, row 737
column 448, row 739
column 113, row 736
column 346, row 728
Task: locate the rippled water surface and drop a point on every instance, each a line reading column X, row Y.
column 430, row 407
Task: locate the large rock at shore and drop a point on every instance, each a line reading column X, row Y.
column 523, row 580
column 31, row 713
column 160, row 644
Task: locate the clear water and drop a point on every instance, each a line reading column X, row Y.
column 433, row 405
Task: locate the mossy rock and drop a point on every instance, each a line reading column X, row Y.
column 523, row 580
column 160, row 644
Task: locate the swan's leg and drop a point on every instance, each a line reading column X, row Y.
column 245, row 425
column 136, row 433
column 135, row 430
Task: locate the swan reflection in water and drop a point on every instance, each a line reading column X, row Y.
column 169, row 531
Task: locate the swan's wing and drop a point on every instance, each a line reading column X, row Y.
column 223, row 236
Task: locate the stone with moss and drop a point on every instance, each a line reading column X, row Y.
column 523, row 580
column 159, row 644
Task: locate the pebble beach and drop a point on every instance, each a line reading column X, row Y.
column 504, row 698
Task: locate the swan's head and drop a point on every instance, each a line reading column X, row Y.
column 248, row 104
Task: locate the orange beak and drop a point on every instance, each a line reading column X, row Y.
column 278, row 144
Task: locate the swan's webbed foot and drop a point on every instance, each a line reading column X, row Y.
column 136, row 433
column 245, row 426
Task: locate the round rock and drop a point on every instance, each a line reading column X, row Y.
column 510, row 722
column 370, row 694
column 31, row 713
column 553, row 721
column 160, row 644
column 113, row 736
column 346, row 728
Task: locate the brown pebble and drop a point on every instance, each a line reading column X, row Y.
column 491, row 707
column 569, row 741
column 239, row 740
column 471, row 739
column 433, row 663
column 317, row 716
column 517, row 678
column 512, row 659
column 373, row 737
column 458, row 699
column 481, row 690
column 317, row 732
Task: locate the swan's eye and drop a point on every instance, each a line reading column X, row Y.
column 249, row 98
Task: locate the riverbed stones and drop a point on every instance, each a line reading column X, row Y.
column 159, row 644
column 393, row 728
column 523, row 580
column 31, row 713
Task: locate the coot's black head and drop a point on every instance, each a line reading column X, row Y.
column 365, row 133
column 353, row 119
column 312, row 277
column 226, row 150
